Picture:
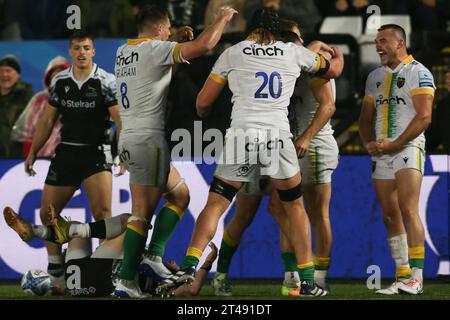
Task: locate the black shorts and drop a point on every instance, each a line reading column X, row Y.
column 71, row 165
column 90, row 277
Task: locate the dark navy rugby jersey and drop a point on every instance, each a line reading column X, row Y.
column 83, row 105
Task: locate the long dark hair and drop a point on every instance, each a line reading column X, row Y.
column 264, row 26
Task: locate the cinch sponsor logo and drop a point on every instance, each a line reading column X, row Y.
column 77, row 104
column 391, row 100
column 270, row 51
column 124, row 61
column 264, row 145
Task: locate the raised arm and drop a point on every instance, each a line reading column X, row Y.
column 209, row 38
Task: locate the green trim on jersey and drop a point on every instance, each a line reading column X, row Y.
column 391, row 108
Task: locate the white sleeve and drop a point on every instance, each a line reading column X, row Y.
column 421, row 81
column 219, row 72
column 369, row 96
column 109, row 89
column 166, row 52
column 307, row 60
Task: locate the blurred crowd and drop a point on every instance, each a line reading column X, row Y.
column 46, row 19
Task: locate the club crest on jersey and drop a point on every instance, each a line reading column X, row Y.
column 400, row 82
column 91, row 92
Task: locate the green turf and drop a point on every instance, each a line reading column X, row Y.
column 269, row 290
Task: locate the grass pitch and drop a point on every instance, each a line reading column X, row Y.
column 269, row 290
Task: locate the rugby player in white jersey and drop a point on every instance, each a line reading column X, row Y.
column 143, row 71
column 261, row 73
column 396, row 111
column 312, row 106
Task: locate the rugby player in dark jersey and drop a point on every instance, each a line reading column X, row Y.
column 94, row 274
column 84, row 97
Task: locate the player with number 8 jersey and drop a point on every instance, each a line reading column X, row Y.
column 143, row 71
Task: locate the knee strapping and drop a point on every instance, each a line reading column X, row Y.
column 224, row 189
column 141, row 219
column 179, row 184
column 291, row 194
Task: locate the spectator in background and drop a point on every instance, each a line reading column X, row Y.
column 108, row 18
column 25, row 126
column 9, row 24
column 45, row 19
column 346, row 7
column 304, row 12
column 14, row 96
column 183, row 12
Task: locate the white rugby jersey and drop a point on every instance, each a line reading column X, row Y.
column 391, row 92
column 305, row 105
column 143, row 72
column 262, row 80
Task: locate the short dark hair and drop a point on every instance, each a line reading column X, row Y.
column 395, row 27
column 151, row 14
column 80, row 35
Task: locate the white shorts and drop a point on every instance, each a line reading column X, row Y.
column 410, row 157
column 321, row 160
column 257, row 151
column 146, row 157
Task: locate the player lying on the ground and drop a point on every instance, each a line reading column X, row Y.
column 90, row 273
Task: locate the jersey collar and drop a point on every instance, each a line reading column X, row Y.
column 405, row 62
column 134, row 42
column 408, row 59
column 80, row 83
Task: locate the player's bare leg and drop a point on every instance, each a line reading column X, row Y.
column 386, row 191
column 317, row 197
column 99, row 192
column 299, row 232
column 58, row 197
column 206, row 226
column 246, row 208
column 408, row 186
column 177, row 196
column 144, row 201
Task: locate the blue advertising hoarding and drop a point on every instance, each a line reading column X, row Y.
column 358, row 231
